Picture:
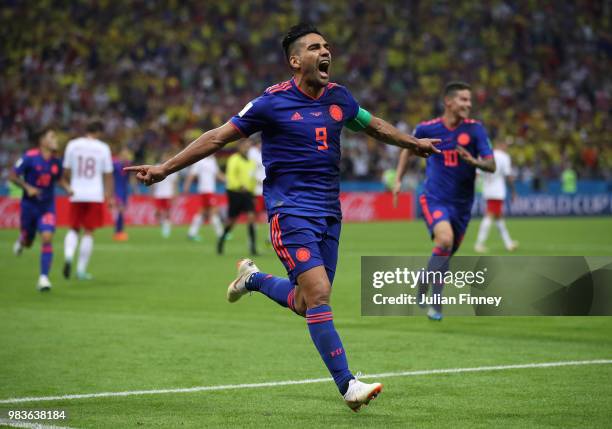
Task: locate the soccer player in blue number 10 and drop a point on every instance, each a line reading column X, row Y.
column 301, row 121
column 448, row 193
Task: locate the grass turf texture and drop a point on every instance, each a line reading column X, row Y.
column 155, row 317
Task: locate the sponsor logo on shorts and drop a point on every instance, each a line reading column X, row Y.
column 302, row 254
column 48, row 219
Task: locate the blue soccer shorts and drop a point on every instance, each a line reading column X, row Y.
column 36, row 217
column 435, row 211
column 302, row 243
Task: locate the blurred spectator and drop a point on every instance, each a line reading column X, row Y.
column 568, row 180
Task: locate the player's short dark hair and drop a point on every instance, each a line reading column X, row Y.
column 452, row 87
column 295, row 33
column 95, row 126
column 37, row 134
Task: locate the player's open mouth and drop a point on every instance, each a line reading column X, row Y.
column 324, row 68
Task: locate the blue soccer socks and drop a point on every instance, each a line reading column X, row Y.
column 320, row 322
column 439, row 261
column 278, row 289
column 46, row 256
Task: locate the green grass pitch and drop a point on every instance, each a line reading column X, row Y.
column 155, row 317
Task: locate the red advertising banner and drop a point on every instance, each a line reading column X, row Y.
column 356, row 207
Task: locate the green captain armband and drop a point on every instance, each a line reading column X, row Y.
column 361, row 121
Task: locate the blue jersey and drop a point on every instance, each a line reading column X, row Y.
column 300, row 146
column 121, row 178
column 41, row 173
column 449, row 178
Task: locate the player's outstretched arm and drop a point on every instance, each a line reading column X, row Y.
column 387, row 133
column 485, row 164
column 205, row 145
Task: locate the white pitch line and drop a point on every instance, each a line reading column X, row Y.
column 306, row 381
column 30, row 425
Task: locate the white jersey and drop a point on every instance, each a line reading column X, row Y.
column 206, row 170
column 88, row 160
column 494, row 184
column 165, row 189
column 254, row 154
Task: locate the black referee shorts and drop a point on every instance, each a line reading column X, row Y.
column 239, row 202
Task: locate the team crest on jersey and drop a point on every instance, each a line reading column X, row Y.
column 302, row 254
column 336, row 112
column 464, row 139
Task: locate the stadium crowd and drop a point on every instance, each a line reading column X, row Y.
column 156, row 72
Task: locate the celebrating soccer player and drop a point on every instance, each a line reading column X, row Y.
column 449, row 188
column 300, row 122
column 88, row 166
column 36, row 172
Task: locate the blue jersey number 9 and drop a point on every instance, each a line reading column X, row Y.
column 321, row 137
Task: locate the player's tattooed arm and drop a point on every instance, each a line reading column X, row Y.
column 485, row 164
column 30, row 190
column 205, row 145
column 387, row 133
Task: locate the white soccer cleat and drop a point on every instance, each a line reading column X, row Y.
column 17, row 248
column 43, row 285
column 237, row 288
column 512, row 247
column 480, row 248
column 360, row 394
